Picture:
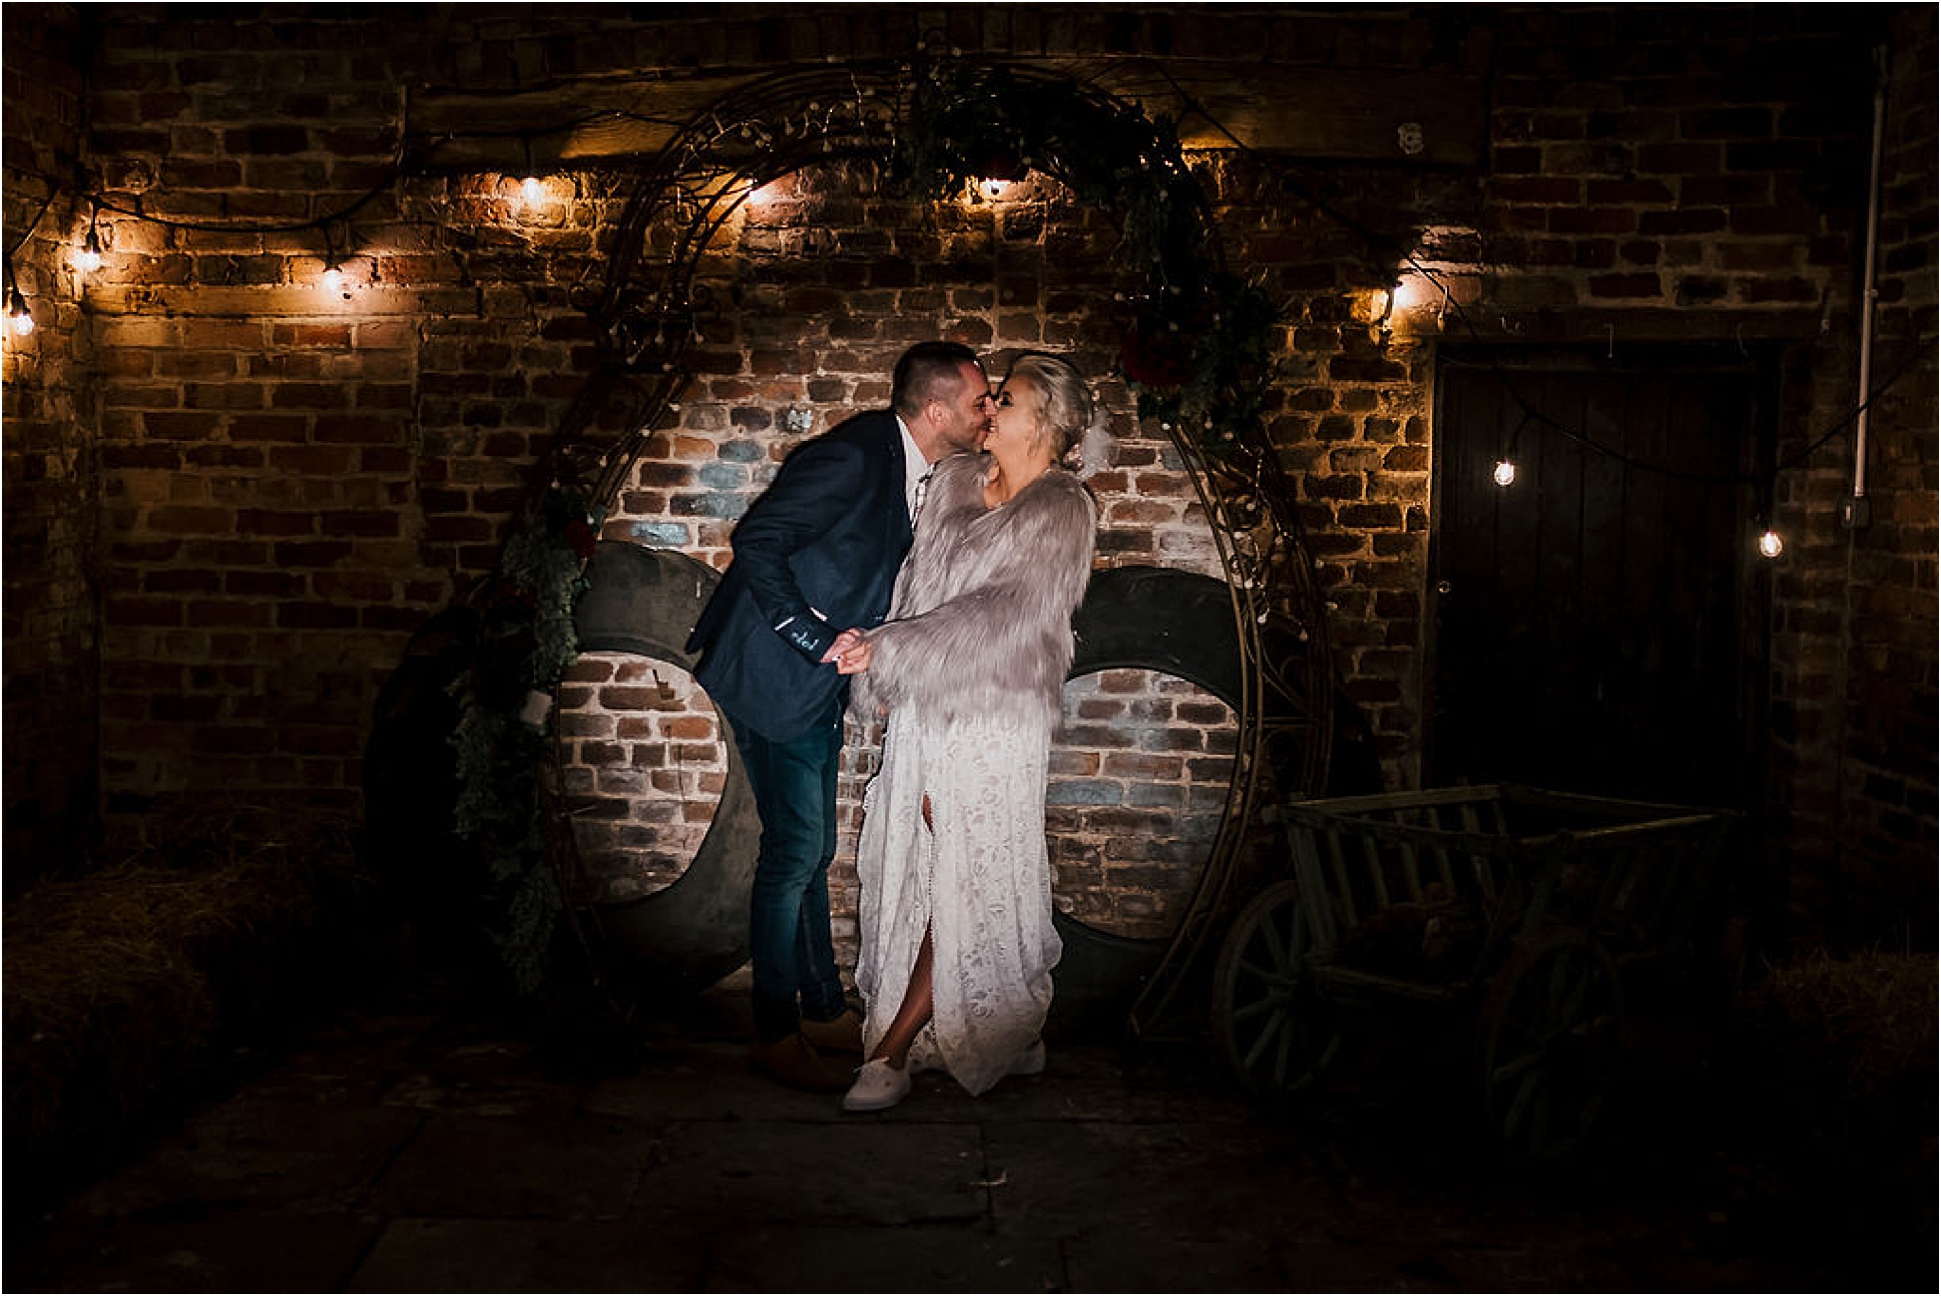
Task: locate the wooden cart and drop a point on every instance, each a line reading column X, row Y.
column 1545, row 918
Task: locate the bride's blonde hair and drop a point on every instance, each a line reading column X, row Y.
column 1066, row 405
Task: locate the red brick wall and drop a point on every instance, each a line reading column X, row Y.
column 291, row 481
column 1139, row 776
column 814, row 340
column 51, row 467
column 1885, row 884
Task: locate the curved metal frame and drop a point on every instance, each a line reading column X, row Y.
column 648, row 316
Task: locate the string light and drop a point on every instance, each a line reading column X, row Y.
column 19, row 318
column 1406, row 292
column 1505, row 471
column 88, row 259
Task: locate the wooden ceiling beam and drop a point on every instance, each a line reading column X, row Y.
column 1407, row 117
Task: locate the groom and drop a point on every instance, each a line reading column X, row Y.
column 815, row 555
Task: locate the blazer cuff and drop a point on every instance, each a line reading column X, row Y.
column 808, row 634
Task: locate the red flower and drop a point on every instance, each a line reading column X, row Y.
column 1153, row 355
column 582, row 537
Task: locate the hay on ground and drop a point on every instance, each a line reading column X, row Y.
column 118, row 982
column 1867, row 1019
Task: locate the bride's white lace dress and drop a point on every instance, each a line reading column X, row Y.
column 980, row 881
column 970, row 667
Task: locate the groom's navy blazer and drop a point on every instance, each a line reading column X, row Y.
column 816, row 554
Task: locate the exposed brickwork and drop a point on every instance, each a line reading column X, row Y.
column 291, row 481
column 644, row 769
column 1139, row 780
column 51, row 468
column 1887, row 772
column 1140, row 770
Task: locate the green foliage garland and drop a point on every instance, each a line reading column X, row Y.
column 526, row 642
column 1198, row 351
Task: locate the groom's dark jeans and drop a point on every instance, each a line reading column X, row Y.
column 789, row 945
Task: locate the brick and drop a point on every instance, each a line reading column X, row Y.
column 1595, row 220
column 273, row 523
column 179, row 519
column 1697, row 220
column 180, row 427
column 123, row 611
column 361, row 522
column 1625, row 285
column 356, row 429
column 321, row 553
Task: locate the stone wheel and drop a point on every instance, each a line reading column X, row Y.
column 690, row 934
column 1552, row 1044
column 1277, row 1033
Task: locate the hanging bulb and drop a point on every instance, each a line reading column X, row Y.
column 1770, row 544
column 532, row 190
column 18, row 317
column 1505, row 473
column 88, row 259
column 333, row 278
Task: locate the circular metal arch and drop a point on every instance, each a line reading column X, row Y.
column 646, row 315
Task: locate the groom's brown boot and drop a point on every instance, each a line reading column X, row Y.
column 793, row 1061
column 842, row 1033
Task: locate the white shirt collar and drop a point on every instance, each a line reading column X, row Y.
column 915, row 466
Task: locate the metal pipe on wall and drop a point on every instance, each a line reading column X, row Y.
column 1855, row 512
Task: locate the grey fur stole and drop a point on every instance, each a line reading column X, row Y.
column 981, row 623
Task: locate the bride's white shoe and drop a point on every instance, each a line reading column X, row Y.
column 878, row 1086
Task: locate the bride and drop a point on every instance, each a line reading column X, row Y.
column 957, row 939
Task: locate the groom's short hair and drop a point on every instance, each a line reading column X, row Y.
column 928, row 371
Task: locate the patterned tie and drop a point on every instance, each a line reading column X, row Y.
column 916, row 505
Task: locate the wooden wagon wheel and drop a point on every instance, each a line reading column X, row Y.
column 1277, row 1033
column 1551, row 1035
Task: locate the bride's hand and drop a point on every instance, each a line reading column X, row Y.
column 855, row 659
column 843, row 643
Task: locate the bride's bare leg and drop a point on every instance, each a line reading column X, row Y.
column 914, row 1012
column 911, row 1015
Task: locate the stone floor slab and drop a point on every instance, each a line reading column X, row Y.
column 489, row 1077
column 1212, row 1182
column 262, row 1153
column 532, row 1255
column 1545, row 1265
column 465, row 1165
column 1116, row 1263
column 783, row 1172
column 1336, row 1266
column 188, row 1249
column 909, row 1258
column 703, row 1083
column 453, row 1153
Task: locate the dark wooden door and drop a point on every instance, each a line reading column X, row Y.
column 1596, row 625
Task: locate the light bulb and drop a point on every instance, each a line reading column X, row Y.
column 333, row 278
column 17, row 314
column 1770, row 545
column 532, row 189
column 88, row 259
column 1505, row 473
